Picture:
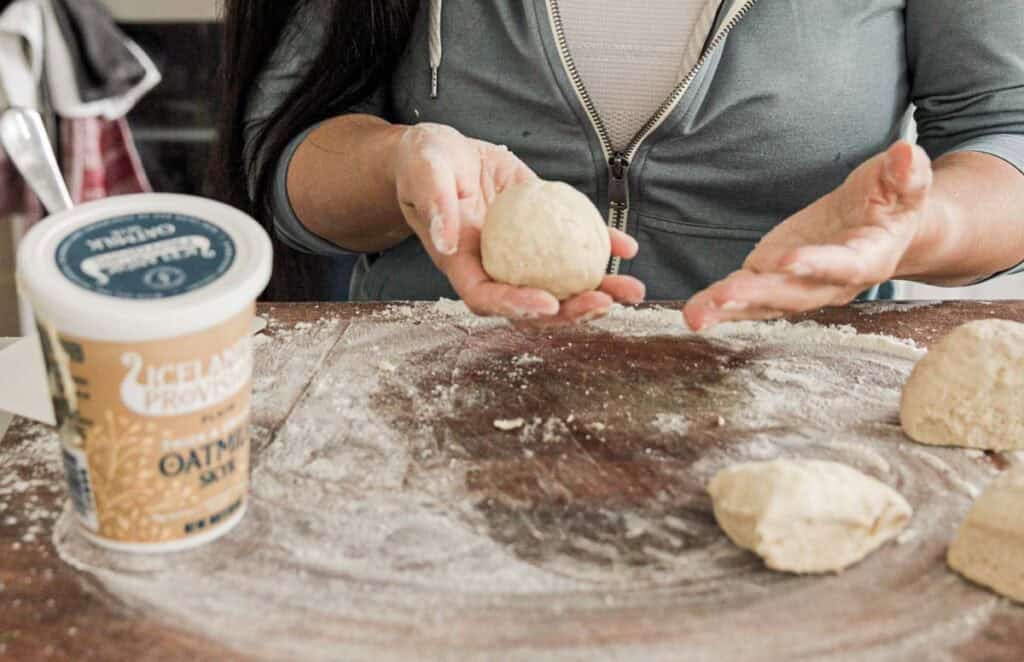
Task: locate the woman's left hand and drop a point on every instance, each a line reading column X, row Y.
column 871, row 229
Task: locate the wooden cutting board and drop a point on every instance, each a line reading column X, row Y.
column 392, row 519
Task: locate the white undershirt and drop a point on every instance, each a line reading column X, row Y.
column 630, row 54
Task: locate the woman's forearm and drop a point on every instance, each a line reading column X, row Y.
column 341, row 183
column 974, row 224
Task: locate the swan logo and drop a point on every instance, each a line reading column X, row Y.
column 146, row 256
column 185, row 387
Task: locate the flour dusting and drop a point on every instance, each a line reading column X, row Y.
column 23, row 474
column 433, row 484
column 879, row 308
column 671, row 424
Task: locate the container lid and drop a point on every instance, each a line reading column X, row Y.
column 143, row 267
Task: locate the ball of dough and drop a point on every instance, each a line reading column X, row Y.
column 546, row 235
column 806, row 516
column 989, row 546
column 969, row 389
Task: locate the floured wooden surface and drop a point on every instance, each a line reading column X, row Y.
column 390, row 518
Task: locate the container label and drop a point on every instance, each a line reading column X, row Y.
column 155, row 434
column 146, row 256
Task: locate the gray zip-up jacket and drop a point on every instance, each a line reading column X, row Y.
column 783, row 101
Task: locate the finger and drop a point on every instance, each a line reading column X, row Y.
column 623, row 245
column 521, row 174
column 701, row 315
column 473, row 209
column 500, row 170
column 745, row 291
column 865, row 257
column 702, row 311
column 704, row 320
column 695, row 312
column 746, row 295
column 508, row 169
column 494, row 180
column 907, row 174
column 490, row 299
column 579, row 309
column 624, row 289
column 584, row 307
column 837, row 265
column 428, row 194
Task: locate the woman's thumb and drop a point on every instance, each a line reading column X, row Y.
column 906, row 173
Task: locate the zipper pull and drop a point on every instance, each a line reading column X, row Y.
column 618, row 181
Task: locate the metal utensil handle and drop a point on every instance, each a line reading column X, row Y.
column 28, row 147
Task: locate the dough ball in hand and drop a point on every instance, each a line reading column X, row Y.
column 546, row 235
column 969, row 389
column 989, row 546
column 806, row 516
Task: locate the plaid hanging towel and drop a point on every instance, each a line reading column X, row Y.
column 16, row 198
column 100, row 159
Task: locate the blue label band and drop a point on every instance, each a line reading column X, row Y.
column 146, row 256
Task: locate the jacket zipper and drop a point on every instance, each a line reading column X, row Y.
column 619, row 161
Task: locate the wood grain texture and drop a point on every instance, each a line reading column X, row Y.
column 48, row 610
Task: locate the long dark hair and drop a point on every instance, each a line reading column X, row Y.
column 363, row 41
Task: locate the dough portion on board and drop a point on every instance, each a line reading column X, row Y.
column 969, row 390
column 989, row 546
column 546, row 235
column 806, row 516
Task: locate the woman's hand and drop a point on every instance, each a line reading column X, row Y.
column 876, row 226
column 445, row 184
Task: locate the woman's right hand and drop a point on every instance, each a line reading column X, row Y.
column 445, row 183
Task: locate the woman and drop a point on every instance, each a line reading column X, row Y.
column 761, row 177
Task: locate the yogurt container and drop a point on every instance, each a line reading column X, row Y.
column 144, row 305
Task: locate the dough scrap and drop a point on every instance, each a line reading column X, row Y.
column 509, row 424
column 969, row 390
column 989, row 546
column 806, row 516
column 546, row 235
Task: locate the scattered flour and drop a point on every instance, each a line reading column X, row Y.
column 812, row 334
column 878, row 308
column 23, row 475
column 908, row 536
column 527, row 360
column 671, row 424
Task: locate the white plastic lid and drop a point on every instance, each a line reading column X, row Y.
column 143, row 267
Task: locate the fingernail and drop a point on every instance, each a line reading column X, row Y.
column 437, row 235
column 592, row 315
column 800, row 270
column 735, row 305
